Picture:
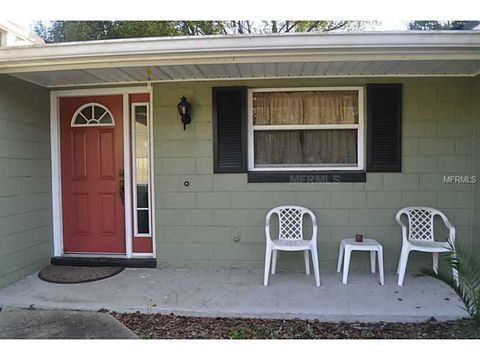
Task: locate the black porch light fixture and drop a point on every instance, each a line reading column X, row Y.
column 185, row 110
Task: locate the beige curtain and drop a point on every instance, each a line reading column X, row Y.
column 305, row 147
column 305, row 107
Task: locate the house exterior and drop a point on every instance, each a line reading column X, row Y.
column 14, row 35
column 95, row 162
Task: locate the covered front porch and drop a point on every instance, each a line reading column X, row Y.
column 240, row 292
column 203, row 217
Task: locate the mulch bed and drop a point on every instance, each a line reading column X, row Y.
column 157, row 326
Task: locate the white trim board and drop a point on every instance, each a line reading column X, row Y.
column 56, row 162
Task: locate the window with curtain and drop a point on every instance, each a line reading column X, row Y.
column 306, row 129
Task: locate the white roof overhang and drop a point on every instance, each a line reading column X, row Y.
column 442, row 53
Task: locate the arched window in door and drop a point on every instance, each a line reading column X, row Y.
column 92, row 114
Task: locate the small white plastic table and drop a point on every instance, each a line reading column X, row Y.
column 349, row 245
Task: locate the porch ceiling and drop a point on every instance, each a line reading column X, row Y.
column 246, row 57
column 250, row 71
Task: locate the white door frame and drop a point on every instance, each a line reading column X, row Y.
column 55, row 96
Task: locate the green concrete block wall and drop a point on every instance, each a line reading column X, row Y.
column 196, row 225
column 476, row 142
column 25, row 182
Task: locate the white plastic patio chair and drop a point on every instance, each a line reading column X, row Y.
column 419, row 236
column 290, row 238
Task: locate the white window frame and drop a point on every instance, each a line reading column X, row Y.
column 92, row 124
column 360, row 127
column 134, row 172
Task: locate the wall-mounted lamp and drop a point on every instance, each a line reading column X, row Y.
column 185, row 110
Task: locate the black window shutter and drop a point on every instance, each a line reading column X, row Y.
column 230, row 129
column 384, row 127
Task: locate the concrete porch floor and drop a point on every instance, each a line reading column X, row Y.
column 240, row 292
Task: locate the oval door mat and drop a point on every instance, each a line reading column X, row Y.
column 77, row 274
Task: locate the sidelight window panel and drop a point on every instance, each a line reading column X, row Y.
column 141, row 171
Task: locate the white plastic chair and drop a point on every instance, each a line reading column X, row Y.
column 290, row 238
column 419, row 236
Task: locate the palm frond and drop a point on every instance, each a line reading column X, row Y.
column 467, row 264
column 460, row 290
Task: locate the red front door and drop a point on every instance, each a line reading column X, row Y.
column 91, row 130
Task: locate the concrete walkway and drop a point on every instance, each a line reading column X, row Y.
column 240, row 292
column 60, row 324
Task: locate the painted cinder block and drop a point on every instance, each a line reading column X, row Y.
column 203, row 131
column 332, row 217
column 410, row 146
column 24, row 167
column 173, row 166
column 213, row 200
column 459, row 127
column 437, row 146
column 455, row 93
column 184, row 183
column 320, row 199
column 175, row 200
column 420, row 164
column 384, row 200
column 437, row 110
column 349, row 200
column 25, row 182
column 238, row 183
column 194, row 234
column 454, row 199
column 183, row 148
column 397, row 181
column 461, row 217
column 367, row 217
column 195, row 224
column 233, row 218
column 15, row 261
column 420, row 128
column 260, row 200
column 24, row 150
column 456, row 165
column 19, row 241
column 374, row 182
column 426, row 92
column 476, row 198
column 204, row 165
column 18, row 204
column 21, row 131
column 464, row 146
column 419, row 198
column 341, row 208
column 24, row 221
